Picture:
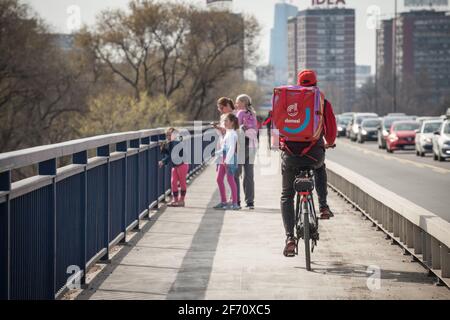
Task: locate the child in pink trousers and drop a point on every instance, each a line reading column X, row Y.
column 227, row 163
column 179, row 168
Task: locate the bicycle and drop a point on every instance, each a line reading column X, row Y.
column 306, row 220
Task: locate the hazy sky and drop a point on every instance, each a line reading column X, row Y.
column 55, row 12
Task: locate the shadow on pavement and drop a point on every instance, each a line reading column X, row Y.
column 365, row 271
column 193, row 278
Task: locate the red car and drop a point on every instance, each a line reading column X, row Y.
column 402, row 136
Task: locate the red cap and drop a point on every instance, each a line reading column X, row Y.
column 307, row 78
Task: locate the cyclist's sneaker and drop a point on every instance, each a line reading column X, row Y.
column 250, row 206
column 325, row 213
column 221, row 206
column 289, row 249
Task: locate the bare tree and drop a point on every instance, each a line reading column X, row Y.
column 37, row 84
column 173, row 49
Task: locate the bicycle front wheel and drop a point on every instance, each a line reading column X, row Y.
column 306, row 231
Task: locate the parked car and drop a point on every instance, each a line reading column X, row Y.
column 356, row 123
column 383, row 129
column 368, row 130
column 342, row 122
column 402, row 135
column 441, row 142
column 424, row 136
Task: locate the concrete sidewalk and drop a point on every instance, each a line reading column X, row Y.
column 199, row 253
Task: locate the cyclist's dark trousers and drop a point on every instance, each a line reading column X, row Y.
column 290, row 164
column 320, row 177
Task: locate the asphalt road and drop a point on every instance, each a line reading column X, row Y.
column 420, row 180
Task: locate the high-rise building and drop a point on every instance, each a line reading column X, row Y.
column 422, row 52
column 384, row 48
column 363, row 74
column 279, row 41
column 324, row 40
column 423, row 49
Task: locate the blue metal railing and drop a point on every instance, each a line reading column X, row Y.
column 72, row 216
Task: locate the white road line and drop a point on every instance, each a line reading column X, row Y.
column 401, row 160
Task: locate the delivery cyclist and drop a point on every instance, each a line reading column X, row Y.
column 292, row 159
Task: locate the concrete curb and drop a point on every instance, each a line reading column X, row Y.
column 419, row 231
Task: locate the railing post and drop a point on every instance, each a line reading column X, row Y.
column 390, row 218
column 136, row 144
column 156, row 170
column 162, row 138
column 104, row 151
column 123, row 147
column 82, row 159
column 146, row 141
column 5, row 186
column 417, row 240
column 402, row 229
column 48, row 168
column 409, row 234
column 435, row 253
column 426, row 248
column 445, row 261
column 396, row 223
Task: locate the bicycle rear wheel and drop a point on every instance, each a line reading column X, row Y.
column 307, row 236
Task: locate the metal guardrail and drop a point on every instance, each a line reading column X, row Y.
column 419, row 231
column 72, row 216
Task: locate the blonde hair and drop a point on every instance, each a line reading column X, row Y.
column 244, row 98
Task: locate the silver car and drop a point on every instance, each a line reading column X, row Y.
column 424, row 136
column 441, row 142
column 355, row 124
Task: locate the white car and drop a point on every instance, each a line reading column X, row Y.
column 424, row 136
column 441, row 142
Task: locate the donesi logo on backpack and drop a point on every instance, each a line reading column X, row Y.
column 297, row 114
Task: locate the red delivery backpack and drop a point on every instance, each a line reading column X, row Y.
column 297, row 114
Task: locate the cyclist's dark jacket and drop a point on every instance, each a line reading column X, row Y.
column 329, row 133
